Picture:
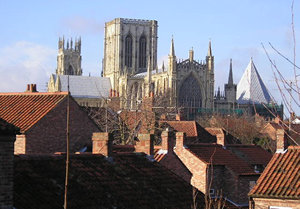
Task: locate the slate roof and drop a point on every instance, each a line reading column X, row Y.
column 281, row 178
column 23, row 110
column 125, row 181
column 251, row 88
column 86, row 86
column 215, row 154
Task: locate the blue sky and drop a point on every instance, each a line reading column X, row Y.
column 30, row 31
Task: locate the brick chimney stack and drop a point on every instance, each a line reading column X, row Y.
column 167, row 141
column 281, row 143
column 218, row 133
column 145, row 144
column 180, row 140
column 31, row 88
column 102, row 143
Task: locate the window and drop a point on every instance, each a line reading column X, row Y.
column 128, row 51
column 142, row 52
column 211, row 192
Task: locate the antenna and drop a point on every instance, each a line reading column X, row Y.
column 68, row 149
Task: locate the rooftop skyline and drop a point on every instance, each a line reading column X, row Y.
column 31, row 31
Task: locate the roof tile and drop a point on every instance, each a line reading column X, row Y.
column 281, row 178
column 23, row 110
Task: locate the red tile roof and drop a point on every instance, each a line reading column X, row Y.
column 281, row 178
column 23, row 110
column 189, row 127
column 253, row 154
column 158, row 154
column 216, row 155
column 125, row 181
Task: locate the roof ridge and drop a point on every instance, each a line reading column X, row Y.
column 33, row 93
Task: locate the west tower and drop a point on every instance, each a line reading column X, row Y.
column 69, row 57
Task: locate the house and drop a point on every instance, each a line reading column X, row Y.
column 194, row 132
column 7, row 138
column 273, row 129
column 42, row 119
column 101, row 179
column 216, row 169
column 279, row 185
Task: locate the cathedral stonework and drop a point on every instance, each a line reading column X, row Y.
column 130, row 61
column 69, row 58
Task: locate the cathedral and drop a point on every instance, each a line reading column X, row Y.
column 130, row 61
column 130, row 72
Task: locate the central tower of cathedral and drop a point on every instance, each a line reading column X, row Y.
column 130, row 47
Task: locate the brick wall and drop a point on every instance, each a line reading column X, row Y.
column 244, row 188
column 102, row 143
column 49, row 134
column 171, row 160
column 195, row 166
column 6, row 171
column 264, row 203
column 217, row 180
column 145, row 144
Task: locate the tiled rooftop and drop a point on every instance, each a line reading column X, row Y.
column 216, row 155
column 23, row 110
column 125, row 181
column 281, row 178
column 189, row 127
column 253, row 154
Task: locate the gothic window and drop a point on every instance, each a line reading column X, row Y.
column 128, row 51
column 190, row 93
column 142, row 52
column 70, row 70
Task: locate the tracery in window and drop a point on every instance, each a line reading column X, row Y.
column 128, row 50
column 142, row 52
column 190, row 93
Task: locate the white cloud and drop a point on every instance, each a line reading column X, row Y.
column 24, row 62
column 82, row 25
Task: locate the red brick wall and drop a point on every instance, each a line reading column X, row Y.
column 195, row 166
column 145, row 144
column 6, row 172
column 49, row 134
column 102, row 143
column 171, row 161
column 264, row 203
column 244, row 188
